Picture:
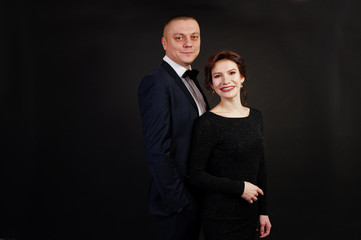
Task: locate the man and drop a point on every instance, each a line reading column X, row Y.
column 169, row 102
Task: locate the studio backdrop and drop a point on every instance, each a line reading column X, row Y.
column 72, row 160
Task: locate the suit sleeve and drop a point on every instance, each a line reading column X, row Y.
column 154, row 105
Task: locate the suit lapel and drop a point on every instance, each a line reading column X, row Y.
column 180, row 83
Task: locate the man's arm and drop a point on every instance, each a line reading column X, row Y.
column 154, row 105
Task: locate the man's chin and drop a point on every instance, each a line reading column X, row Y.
column 188, row 61
column 190, row 56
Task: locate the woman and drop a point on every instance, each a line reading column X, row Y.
column 227, row 156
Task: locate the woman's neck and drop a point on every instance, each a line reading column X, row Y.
column 231, row 108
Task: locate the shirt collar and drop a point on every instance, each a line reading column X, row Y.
column 180, row 70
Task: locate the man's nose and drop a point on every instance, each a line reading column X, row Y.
column 187, row 42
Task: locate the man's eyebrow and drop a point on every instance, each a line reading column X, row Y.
column 179, row 33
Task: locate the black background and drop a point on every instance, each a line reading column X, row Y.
column 72, row 160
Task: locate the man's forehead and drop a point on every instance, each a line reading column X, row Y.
column 183, row 26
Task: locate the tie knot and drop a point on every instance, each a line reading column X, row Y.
column 192, row 74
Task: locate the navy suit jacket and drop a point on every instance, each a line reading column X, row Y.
column 167, row 113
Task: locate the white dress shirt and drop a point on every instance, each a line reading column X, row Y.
column 189, row 83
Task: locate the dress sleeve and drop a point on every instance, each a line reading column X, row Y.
column 262, row 177
column 203, row 142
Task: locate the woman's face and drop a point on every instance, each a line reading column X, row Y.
column 226, row 79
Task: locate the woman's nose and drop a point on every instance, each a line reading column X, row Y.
column 225, row 80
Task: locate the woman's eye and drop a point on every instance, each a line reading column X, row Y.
column 232, row 73
column 217, row 76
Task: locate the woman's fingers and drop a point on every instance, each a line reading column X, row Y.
column 251, row 192
column 261, row 230
column 265, row 226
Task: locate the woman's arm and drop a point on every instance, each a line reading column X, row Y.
column 203, row 142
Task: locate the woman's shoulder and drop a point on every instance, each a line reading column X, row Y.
column 203, row 123
column 205, row 117
column 255, row 112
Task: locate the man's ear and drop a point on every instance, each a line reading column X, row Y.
column 164, row 43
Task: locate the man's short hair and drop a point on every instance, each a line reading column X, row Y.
column 177, row 17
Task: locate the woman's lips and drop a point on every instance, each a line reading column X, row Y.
column 227, row 89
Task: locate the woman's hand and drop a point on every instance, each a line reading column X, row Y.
column 265, row 226
column 251, row 192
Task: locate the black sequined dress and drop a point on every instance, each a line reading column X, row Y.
column 225, row 153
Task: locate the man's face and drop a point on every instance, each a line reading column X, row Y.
column 181, row 41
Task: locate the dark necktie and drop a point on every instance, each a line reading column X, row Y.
column 192, row 74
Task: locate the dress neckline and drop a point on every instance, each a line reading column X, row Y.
column 249, row 114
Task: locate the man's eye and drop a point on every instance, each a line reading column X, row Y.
column 194, row 37
column 178, row 38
